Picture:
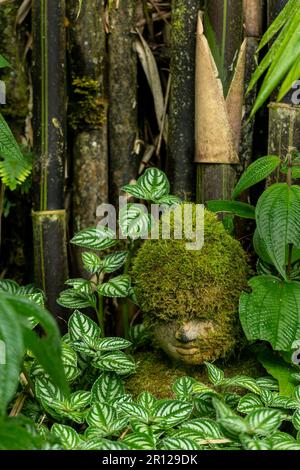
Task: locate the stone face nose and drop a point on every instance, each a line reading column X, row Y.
column 185, row 334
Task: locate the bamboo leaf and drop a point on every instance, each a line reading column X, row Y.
column 290, row 79
column 240, row 209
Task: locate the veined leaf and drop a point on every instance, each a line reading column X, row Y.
column 184, row 387
column 147, row 400
column 80, row 326
column 114, row 261
column 278, row 221
column 133, row 410
column 139, row 441
column 240, row 209
column 168, row 200
column 112, row 344
column 134, row 221
column 91, row 262
column 117, row 287
column 72, row 298
column 207, row 428
column 215, row 375
column 279, row 369
column 95, row 238
column 68, row 436
column 155, row 183
column 249, row 403
column 3, row 62
column 101, row 415
column 115, row 361
column 136, row 191
column 272, row 311
column 107, row 387
column 256, row 172
column 264, row 421
column 178, row 443
column 171, row 412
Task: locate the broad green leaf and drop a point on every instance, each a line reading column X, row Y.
column 278, row 221
column 115, row 361
column 107, row 387
column 114, row 261
column 207, row 428
column 133, row 410
column 184, row 387
column 296, row 420
column 155, row 183
column 103, row 444
column 222, row 410
column 139, row 441
column 249, row 403
column 112, row 344
column 11, row 352
column 147, row 400
column 47, row 348
column 101, row 415
column 95, row 238
column 139, row 334
column 242, row 381
column 240, row 209
column 268, row 383
column 136, row 191
column 91, row 262
column 66, row 435
column 72, row 298
column 256, row 172
column 3, row 62
column 14, row 166
column 171, row 412
column 80, row 326
column 215, row 374
column 83, row 286
column 117, row 287
column 134, row 221
column 47, row 392
column 14, row 436
column 8, row 286
column 178, row 443
column 279, row 369
column 255, row 443
column 168, row 200
column 290, row 79
column 80, row 399
column 264, row 421
column 234, row 424
column 271, row 312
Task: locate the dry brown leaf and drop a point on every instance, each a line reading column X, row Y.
column 23, row 11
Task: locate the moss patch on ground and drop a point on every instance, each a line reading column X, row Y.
column 156, row 373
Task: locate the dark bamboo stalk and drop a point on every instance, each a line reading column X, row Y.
column 88, row 111
column 223, row 28
column 181, row 141
column 49, row 217
column 123, row 130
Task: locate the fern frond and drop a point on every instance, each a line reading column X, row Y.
column 14, row 167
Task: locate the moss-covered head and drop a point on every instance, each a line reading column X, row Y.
column 190, row 297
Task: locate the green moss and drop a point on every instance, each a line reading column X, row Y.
column 173, row 283
column 88, row 108
column 178, row 21
column 156, row 374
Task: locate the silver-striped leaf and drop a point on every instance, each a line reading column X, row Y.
column 119, row 286
column 107, row 387
column 114, row 261
column 95, row 238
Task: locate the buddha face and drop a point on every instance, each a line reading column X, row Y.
column 182, row 341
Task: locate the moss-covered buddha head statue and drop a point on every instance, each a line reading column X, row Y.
column 189, row 298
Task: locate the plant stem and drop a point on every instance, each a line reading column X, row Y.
column 100, row 313
column 289, row 182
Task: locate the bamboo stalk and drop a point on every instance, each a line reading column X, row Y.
column 123, row 129
column 181, row 142
column 217, row 135
column 88, row 113
column 49, row 101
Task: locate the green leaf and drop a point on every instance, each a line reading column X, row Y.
column 8, row 286
column 256, row 172
column 66, row 435
column 3, row 62
column 240, row 209
column 15, row 436
column 168, row 200
column 147, row 400
column 242, row 381
column 215, row 374
column 278, row 369
column 171, row 412
column 296, row 420
column 11, row 351
column 136, row 191
column 91, row 262
column 112, row 344
column 264, row 421
column 95, row 238
column 14, row 167
column 80, row 399
column 155, row 183
column 115, row 362
column 207, row 428
column 139, row 441
column 278, row 221
column 117, row 287
column 176, row 443
column 47, row 392
column 184, row 387
column 80, row 325
column 234, row 424
column 114, row 261
column 107, row 387
column 82, row 286
column 134, row 221
column 289, row 81
column 249, row 403
column 103, row 444
column 72, row 298
column 271, row 312
column 133, row 410
column 102, row 415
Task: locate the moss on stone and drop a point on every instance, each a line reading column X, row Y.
column 156, row 373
